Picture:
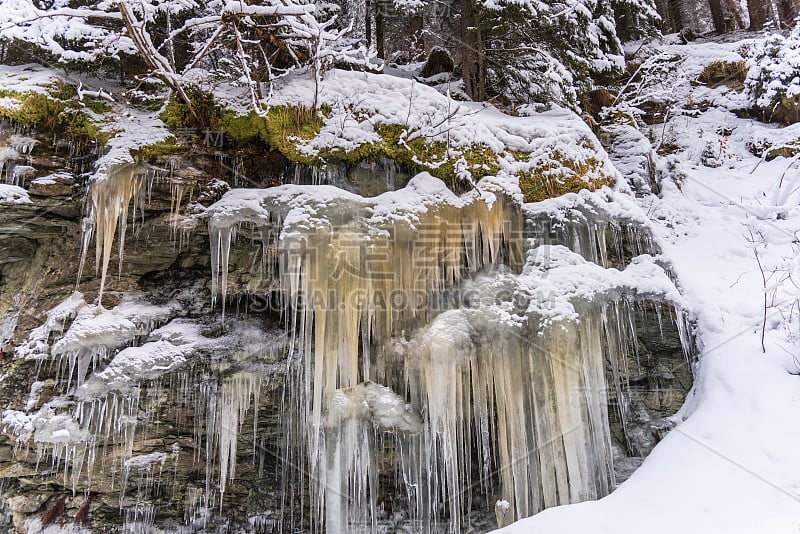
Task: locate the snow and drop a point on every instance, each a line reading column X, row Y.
column 555, row 286
column 133, row 364
column 773, row 67
column 375, row 403
column 306, row 214
column 96, row 327
column 12, row 194
column 9, row 103
column 27, row 78
column 34, row 526
column 730, row 466
column 669, row 75
column 59, row 429
column 34, row 395
column 304, row 208
column 727, row 233
column 166, row 349
column 238, row 7
column 566, row 277
column 57, row 23
column 17, row 422
column 134, row 129
column 95, row 333
column 146, row 461
column 56, row 322
column 360, row 101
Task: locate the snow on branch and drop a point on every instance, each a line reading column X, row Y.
column 84, row 34
column 239, row 8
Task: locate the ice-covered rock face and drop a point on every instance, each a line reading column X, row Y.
column 438, row 354
column 513, row 374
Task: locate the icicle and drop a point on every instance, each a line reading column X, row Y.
column 177, row 191
column 226, row 412
column 220, row 239
column 111, row 196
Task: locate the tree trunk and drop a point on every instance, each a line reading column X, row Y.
column 379, row 44
column 787, row 12
column 415, row 27
column 368, row 22
column 473, row 64
column 733, row 9
column 674, row 18
column 758, row 14
column 717, row 15
column 158, row 63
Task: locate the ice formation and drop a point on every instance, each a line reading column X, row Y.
column 94, row 428
column 442, row 350
column 111, row 197
column 226, row 411
column 120, row 184
column 12, row 194
column 449, row 405
column 96, row 333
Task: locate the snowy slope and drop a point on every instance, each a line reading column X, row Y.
column 732, row 465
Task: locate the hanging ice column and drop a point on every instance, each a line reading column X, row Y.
column 528, row 404
column 507, row 389
column 117, row 183
column 517, row 382
column 358, row 272
column 111, row 194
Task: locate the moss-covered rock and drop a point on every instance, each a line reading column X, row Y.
column 207, row 114
column 439, row 61
column 56, row 111
column 729, row 73
column 170, row 145
column 561, row 175
column 286, row 130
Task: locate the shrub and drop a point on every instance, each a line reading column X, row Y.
column 773, row 79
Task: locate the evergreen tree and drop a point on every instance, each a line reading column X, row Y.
column 256, row 42
column 635, row 18
column 672, row 18
column 520, row 51
column 532, row 51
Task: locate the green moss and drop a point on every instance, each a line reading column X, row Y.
column 730, row 73
column 36, row 109
column 481, row 161
column 52, row 115
column 77, row 123
column 786, row 111
column 560, row 176
column 243, row 129
column 168, row 146
column 61, row 90
column 177, row 115
column 420, row 155
column 285, row 127
column 98, row 106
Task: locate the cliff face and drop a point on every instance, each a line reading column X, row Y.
column 151, row 412
column 149, row 445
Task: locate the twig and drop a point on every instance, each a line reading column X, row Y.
column 764, row 282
